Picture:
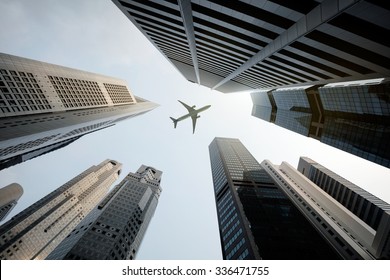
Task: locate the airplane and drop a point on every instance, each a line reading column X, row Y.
column 192, row 112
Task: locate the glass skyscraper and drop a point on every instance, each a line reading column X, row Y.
column 115, row 228
column 256, row 218
column 353, row 117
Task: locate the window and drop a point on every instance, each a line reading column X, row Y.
column 341, row 243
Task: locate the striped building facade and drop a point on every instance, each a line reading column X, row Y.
column 243, row 45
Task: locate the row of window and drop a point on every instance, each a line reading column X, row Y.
column 83, row 130
column 27, row 145
column 76, row 93
column 21, row 94
column 10, row 251
column 30, row 121
column 118, row 93
column 218, row 175
column 229, row 222
column 357, row 203
column 14, row 73
column 232, row 239
column 224, row 208
column 236, row 248
column 233, row 227
column 243, row 255
column 60, row 218
column 129, row 234
column 225, row 199
column 19, row 87
column 356, row 99
column 361, row 138
column 228, row 214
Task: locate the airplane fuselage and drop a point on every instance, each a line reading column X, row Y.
column 193, row 113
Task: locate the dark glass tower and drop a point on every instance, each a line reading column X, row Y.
column 354, row 118
column 256, row 218
column 114, row 230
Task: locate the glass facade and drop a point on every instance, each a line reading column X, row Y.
column 298, row 122
column 226, row 166
column 278, row 227
column 262, row 107
column 364, row 99
column 357, row 120
column 293, row 110
column 256, row 219
column 366, row 140
column 353, row 118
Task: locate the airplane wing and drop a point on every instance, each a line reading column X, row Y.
column 189, row 108
column 194, row 122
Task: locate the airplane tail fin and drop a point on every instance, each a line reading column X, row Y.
column 174, row 121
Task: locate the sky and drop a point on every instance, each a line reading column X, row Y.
column 94, row 35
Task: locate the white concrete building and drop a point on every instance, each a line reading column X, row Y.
column 44, row 107
column 354, row 221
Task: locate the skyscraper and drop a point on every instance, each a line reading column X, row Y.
column 44, row 107
column 37, row 230
column 115, row 228
column 256, row 218
column 244, row 45
column 353, row 117
column 373, row 212
column 350, row 235
column 9, row 196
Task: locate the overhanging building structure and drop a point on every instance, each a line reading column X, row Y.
column 37, row 230
column 115, row 228
column 353, row 117
column 272, row 211
column 244, row 45
column 44, row 107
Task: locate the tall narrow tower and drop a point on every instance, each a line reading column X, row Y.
column 37, row 230
column 44, row 107
column 114, row 230
column 9, row 196
column 256, row 218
